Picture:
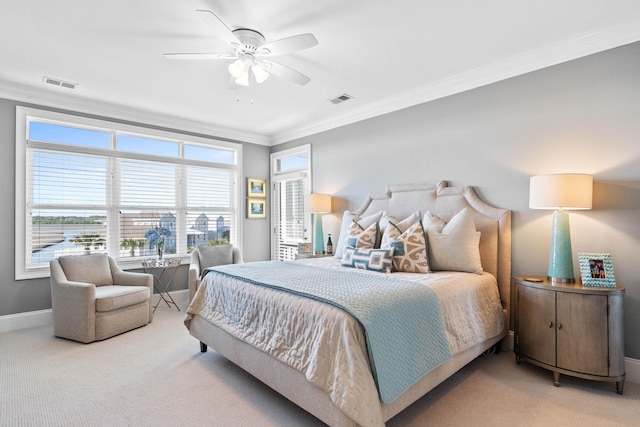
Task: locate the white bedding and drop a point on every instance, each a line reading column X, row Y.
column 326, row 344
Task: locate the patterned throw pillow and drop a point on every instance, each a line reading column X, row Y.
column 359, row 237
column 347, row 220
column 410, row 249
column 379, row 260
column 402, row 225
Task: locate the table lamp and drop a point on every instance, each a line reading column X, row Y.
column 561, row 192
column 317, row 204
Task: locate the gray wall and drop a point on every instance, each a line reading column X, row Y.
column 29, row 295
column 581, row 116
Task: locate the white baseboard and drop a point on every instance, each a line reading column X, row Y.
column 29, row 319
column 632, row 368
column 33, row 319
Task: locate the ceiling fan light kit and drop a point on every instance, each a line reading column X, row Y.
column 248, row 47
column 245, row 69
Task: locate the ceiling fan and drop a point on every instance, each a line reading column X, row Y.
column 250, row 51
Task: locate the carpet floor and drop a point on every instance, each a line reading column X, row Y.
column 156, row 376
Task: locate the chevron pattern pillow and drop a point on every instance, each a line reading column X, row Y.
column 379, row 260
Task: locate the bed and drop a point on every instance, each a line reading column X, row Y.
column 314, row 352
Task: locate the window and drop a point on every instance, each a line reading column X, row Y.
column 290, row 174
column 86, row 186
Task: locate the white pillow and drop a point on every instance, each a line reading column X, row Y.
column 432, row 221
column 457, row 247
column 347, row 220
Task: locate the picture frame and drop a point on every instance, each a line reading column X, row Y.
column 256, row 208
column 304, row 248
column 596, row 269
column 256, row 188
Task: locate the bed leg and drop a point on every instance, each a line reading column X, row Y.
column 203, row 347
column 494, row 349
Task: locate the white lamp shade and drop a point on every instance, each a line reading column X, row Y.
column 317, row 203
column 259, row 73
column 238, row 68
column 561, row 191
column 243, row 80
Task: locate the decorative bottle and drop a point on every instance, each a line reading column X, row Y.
column 329, row 246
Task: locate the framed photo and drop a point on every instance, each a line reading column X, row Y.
column 256, row 208
column 596, row 270
column 256, row 187
column 304, row 248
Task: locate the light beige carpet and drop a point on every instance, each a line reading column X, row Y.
column 156, row 376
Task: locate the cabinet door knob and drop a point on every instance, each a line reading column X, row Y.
column 559, row 326
column 550, row 324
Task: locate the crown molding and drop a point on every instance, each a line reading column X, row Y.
column 45, row 98
column 586, row 44
column 545, row 56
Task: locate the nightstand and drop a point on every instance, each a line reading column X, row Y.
column 570, row 329
column 311, row 255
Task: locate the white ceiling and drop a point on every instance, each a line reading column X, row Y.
column 386, row 54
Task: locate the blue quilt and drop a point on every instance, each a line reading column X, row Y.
column 402, row 320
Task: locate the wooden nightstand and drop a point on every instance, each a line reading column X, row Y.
column 570, row 329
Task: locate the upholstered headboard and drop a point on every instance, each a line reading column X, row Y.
column 494, row 224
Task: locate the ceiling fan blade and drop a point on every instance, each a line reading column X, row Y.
column 285, row 73
column 199, row 55
column 289, row 44
column 220, row 28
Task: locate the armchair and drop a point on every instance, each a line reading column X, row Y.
column 94, row 299
column 208, row 256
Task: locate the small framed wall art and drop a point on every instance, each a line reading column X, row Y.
column 256, row 208
column 596, row 269
column 256, row 187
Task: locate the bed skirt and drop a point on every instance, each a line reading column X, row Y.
column 294, row 386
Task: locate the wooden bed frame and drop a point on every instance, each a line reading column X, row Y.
column 400, row 201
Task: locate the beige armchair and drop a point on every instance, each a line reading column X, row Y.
column 208, row 256
column 94, row 299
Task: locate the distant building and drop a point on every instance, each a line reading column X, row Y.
column 134, row 225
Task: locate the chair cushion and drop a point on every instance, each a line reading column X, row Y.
column 215, row 255
column 93, row 268
column 109, row 298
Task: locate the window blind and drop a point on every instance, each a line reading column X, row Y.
column 88, row 190
column 290, row 226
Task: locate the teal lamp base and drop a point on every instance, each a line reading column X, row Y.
column 560, row 260
column 318, row 235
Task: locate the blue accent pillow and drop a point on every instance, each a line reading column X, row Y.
column 379, row 260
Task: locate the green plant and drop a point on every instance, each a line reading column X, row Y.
column 132, row 244
column 215, row 242
column 88, row 240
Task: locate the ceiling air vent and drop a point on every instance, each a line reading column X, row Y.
column 341, row 98
column 58, row 82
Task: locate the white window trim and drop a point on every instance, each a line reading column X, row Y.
column 283, row 176
column 22, row 116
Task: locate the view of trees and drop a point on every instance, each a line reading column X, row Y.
column 88, row 240
column 69, row 220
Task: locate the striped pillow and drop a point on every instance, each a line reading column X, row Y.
column 379, row 260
